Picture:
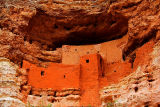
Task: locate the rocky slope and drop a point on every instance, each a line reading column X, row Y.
column 36, row 30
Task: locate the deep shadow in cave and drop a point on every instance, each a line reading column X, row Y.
column 75, row 29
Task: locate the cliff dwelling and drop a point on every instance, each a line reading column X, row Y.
column 86, row 75
column 84, row 69
column 79, row 53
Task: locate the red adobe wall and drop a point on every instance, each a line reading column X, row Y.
column 89, row 78
column 111, row 52
column 114, row 72
column 56, row 76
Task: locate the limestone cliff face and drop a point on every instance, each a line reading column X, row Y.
column 36, row 30
column 10, row 95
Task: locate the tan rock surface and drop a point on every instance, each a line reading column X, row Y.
column 10, row 95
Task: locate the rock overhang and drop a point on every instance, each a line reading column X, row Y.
column 75, row 27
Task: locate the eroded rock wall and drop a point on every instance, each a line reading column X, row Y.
column 10, row 85
column 140, row 88
column 16, row 49
column 34, row 31
column 46, row 25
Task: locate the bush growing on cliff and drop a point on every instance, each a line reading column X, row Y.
column 41, row 105
column 114, row 104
